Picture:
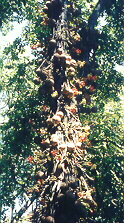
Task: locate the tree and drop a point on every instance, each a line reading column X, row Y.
column 56, row 145
column 10, row 9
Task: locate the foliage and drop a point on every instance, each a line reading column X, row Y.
column 28, row 110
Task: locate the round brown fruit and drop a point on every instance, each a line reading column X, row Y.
column 74, row 184
column 62, row 59
column 70, row 196
column 61, row 198
column 48, row 4
column 64, row 187
column 42, row 73
column 59, row 51
column 80, row 209
column 41, row 90
column 49, row 82
column 37, row 81
column 56, row 119
column 60, row 113
column 45, row 143
column 49, row 219
column 52, row 43
column 45, row 9
column 70, row 146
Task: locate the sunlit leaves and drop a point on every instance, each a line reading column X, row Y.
column 26, row 115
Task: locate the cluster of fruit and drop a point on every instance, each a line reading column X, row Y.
column 68, row 205
column 62, row 151
column 53, row 9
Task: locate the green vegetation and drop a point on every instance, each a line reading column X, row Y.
column 30, row 170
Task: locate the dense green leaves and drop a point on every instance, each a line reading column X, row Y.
column 26, row 114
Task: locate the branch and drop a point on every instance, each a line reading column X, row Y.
column 23, row 210
column 100, row 7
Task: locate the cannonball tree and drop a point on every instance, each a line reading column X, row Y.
column 57, row 150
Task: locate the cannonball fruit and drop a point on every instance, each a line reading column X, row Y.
column 45, row 9
column 42, row 73
column 80, row 209
column 64, row 187
column 45, row 143
column 60, row 113
column 70, row 146
column 41, row 90
column 74, row 184
column 59, row 51
column 56, row 119
column 37, row 81
column 62, row 146
column 70, row 196
column 54, row 140
column 71, row 69
column 61, row 198
column 52, row 43
column 49, row 82
column 48, row 4
column 68, row 92
column 49, row 219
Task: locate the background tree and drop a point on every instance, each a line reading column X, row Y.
column 29, row 108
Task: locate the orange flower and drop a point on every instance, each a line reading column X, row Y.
column 75, row 91
column 78, row 51
column 82, row 84
column 73, row 110
column 45, row 107
column 84, row 139
column 54, row 152
column 80, row 194
column 59, row 157
column 34, row 47
column 95, row 78
column 31, row 159
column 92, row 89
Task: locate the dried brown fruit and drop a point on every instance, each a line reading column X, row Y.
column 60, row 51
column 60, row 113
column 52, row 43
column 37, row 81
column 42, row 73
column 56, row 119
column 70, row 146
